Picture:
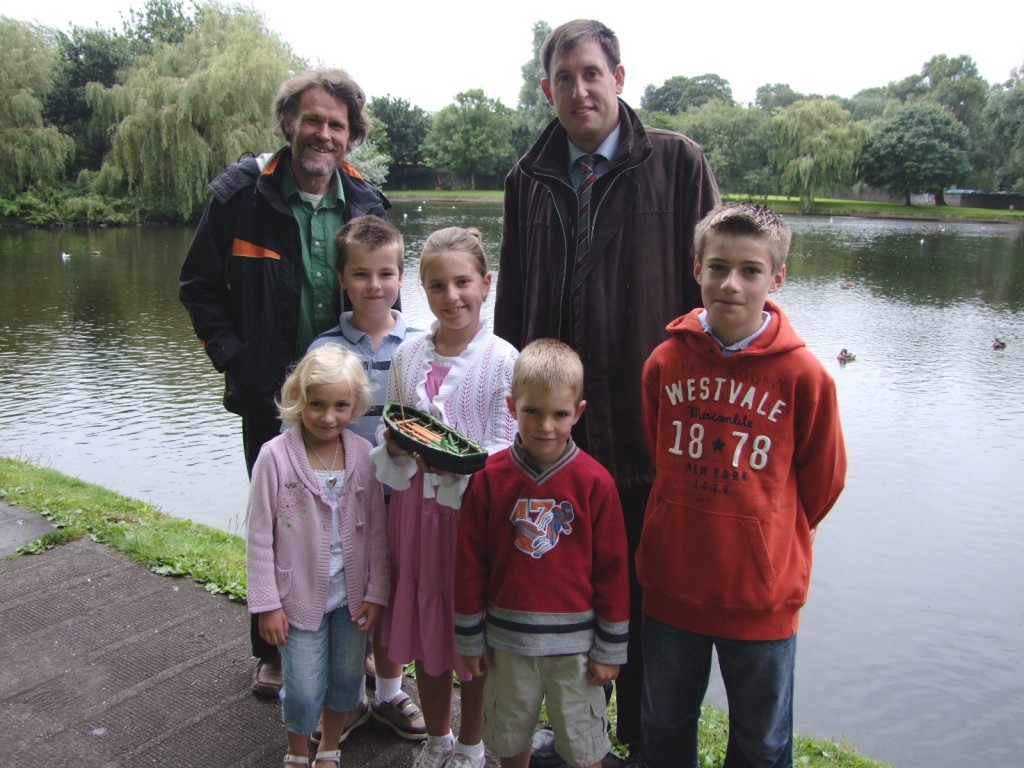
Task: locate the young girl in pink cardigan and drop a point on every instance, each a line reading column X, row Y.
column 317, row 553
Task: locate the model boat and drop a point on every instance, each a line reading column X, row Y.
column 439, row 445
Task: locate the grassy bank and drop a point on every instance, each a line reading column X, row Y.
column 175, row 547
column 821, row 207
column 167, row 545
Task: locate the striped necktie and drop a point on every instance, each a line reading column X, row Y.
column 585, row 164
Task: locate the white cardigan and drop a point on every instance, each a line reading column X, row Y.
column 471, row 400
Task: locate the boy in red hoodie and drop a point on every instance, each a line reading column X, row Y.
column 743, row 425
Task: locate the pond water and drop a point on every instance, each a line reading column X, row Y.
column 911, row 646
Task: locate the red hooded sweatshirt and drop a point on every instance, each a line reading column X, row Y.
column 749, row 457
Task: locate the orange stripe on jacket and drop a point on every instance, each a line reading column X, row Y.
column 241, row 247
column 271, row 167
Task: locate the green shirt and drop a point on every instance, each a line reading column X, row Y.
column 319, row 284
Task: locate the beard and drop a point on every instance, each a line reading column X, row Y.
column 317, row 164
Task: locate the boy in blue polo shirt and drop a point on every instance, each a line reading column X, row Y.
column 370, row 265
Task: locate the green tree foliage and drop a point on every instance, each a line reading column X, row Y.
column 1005, row 115
column 685, row 94
column 908, row 88
column 533, row 113
column 188, row 110
column 772, row 96
column 87, row 55
column 665, row 98
column 159, row 21
column 30, row 152
column 735, row 141
column 956, row 85
column 405, row 129
column 921, row 148
column 472, row 137
column 96, row 55
column 869, row 104
column 814, row 149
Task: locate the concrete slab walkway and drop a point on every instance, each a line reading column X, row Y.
column 108, row 665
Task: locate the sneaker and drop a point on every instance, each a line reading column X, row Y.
column 544, row 754
column 432, row 757
column 356, row 717
column 402, row 716
column 462, row 760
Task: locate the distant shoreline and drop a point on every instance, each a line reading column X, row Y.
column 820, row 207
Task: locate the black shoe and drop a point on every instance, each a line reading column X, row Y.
column 635, row 758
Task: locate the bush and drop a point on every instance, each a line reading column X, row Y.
column 91, row 209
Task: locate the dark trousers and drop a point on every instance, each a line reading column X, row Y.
column 758, row 677
column 629, row 685
column 255, row 432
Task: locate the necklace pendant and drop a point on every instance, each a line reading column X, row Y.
column 331, row 480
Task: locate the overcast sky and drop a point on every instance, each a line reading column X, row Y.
column 427, row 53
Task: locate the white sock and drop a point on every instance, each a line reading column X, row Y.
column 470, row 750
column 388, row 688
column 442, row 742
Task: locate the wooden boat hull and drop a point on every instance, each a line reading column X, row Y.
column 451, row 451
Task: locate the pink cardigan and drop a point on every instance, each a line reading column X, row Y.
column 289, row 532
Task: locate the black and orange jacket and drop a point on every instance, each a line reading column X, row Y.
column 242, row 277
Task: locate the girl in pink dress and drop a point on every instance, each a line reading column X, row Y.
column 459, row 372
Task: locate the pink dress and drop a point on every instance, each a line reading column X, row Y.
column 420, row 621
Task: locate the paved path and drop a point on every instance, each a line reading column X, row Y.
column 107, row 665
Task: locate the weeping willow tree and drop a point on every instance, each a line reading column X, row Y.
column 190, row 108
column 30, row 152
column 815, row 148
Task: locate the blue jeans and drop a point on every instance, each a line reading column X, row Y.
column 758, row 677
column 322, row 670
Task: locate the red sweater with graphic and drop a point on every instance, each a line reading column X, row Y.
column 541, row 565
column 749, row 457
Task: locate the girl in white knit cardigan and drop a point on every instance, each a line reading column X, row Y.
column 460, row 373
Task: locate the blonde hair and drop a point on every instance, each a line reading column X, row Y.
column 740, row 219
column 468, row 241
column 329, row 364
column 370, row 232
column 547, row 364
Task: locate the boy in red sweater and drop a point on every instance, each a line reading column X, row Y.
column 541, row 582
column 743, row 425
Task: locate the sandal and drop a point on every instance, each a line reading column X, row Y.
column 334, row 755
column 296, row 760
